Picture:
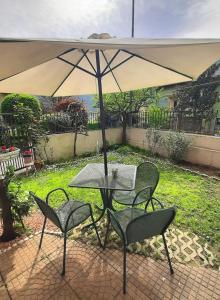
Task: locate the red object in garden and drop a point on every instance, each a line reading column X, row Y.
column 11, row 148
column 27, row 153
column 4, row 148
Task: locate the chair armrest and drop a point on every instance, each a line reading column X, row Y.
column 74, row 210
column 116, row 225
column 154, row 199
column 57, row 189
column 142, row 191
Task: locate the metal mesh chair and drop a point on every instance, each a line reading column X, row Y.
column 135, row 225
column 66, row 217
column 146, row 182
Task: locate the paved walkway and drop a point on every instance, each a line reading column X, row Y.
column 92, row 273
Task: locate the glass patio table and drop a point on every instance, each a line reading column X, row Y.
column 92, row 176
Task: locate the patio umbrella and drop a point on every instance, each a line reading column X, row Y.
column 90, row 66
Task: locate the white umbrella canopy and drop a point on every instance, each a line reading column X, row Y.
column 69, row 67
column 90, row 66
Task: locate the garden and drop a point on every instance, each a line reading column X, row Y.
column 195, row 196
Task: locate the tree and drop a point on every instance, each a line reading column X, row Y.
column 197, row 96
column 79, row 116
column 123, row 104
column 10, row 102
column 62, row 103
column 7, row 216
column 29, row 128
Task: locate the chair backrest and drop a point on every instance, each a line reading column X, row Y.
column 149, row 225
column 147, row 175
column 47, row 211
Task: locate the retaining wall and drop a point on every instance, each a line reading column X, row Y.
column 60, row 146
column 204, row 150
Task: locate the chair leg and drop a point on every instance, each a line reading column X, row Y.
column 107, row 231
column 146, row 205
column 42, row 233
column 124, row 269
column 167, row 253
column 152, row 204
column 64, row 254
column 93, row 221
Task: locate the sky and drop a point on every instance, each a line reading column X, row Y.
column 80, row 18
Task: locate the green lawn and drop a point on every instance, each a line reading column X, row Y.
column 197, row 197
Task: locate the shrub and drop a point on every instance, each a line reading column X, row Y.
column 154, row 139
column 125, row 150
column 5, row 138
column 177, row 145
column 28, row 128
column 93, row 126
column 63, row 103
column 158, row 117
column 21, row 202
column 10, row 102
column 57, row 123
column 79, row 115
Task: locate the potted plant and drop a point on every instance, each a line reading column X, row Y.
column 8, row 153
column 38, row 163
column 27, row 155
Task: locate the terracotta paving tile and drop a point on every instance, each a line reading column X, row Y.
column 38, row 282
column 18, row 259
column 3, row 293
column 50, row 243
column 65, row 293
column 92, row 273
column 88, row 274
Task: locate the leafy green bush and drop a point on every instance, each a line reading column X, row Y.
column 57, row 123
column 114, row 147
column 21, row 202
column 177, row 145
column 28, row 129
column 125, row 150
column 93, row 126
column 10, row 102
column 158, row 117
column 154, row 139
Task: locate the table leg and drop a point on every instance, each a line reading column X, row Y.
column 104, row 195
column 107, row 196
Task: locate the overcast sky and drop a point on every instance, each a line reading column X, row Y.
column 80, row 18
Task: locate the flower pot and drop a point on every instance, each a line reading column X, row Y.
column 38, row 164
column 27, row 159
column 9, row 155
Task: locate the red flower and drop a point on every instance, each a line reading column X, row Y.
column 4, row 148
column 11, row 148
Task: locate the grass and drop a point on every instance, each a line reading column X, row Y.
column 197, row 198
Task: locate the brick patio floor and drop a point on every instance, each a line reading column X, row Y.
column 91, row 273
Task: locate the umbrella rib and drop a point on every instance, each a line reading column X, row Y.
column 111, row 60
column 68, row 74
column 76, row 66
column 157, row 64
column 85, row 52
column 112, row 72
column 122, row 62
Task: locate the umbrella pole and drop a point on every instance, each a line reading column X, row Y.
column 102, row 112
